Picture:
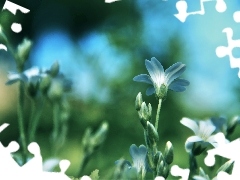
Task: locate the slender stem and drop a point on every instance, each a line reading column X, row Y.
column 143, row 174
column 56, row 119
column 83, row 164
column 20, row 107
column 158, row 113
column 33, row 123
column 30, row 126
column 21, row 121
column 192, row 165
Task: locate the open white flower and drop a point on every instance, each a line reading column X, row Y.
column 163, row 80
column 203, row 131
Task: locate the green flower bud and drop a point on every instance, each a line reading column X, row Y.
column 152, row 133
column 138, row 101
column 162, row 92
column 149, row 111
column 55, row 91
column 226, row 167
column 166, row 170
column 160, row 168
column 45, row 84
column 168, row 153
column 148, row 143
column 54, row 70
column 86, row 137
column 101, row 134
column 32, row 89
column 232, row 124
column 144, row 111
column 23, row 51
column 199, row 148
column 156, row 157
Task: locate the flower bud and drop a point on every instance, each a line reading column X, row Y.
column 55, row 91
column 168, row 153
column 101, row 134
column 32, row 89
column 45, row 84
column 138, row 101
column 152, row 133
column 143, row 113
column 149, row 111
column 54, row 70
column 160, row 168
column 162, row 92
column 32, row 85
column 156, row 157
column 166, row 170
column 23, row 51
column 232, row 124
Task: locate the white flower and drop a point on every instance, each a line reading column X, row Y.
column 203, row 131
column 163, row 80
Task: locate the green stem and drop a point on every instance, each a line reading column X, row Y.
column 33, row 123
column 193, row 166
column 158, row 113
column 56, row 108
column 83, row 164
column 21, row 121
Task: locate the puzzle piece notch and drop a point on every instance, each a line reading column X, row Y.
column 12, row 7
column 32, row 169
column 7, row 163
column 111, row 1
column 159, row 178
column 182, row 7
column 177, row 171
column 15, row 27
column 223, row 176
column 236, row 16
column 34, row 164
column 230, row 151
column 85, row 178
column 222, row 51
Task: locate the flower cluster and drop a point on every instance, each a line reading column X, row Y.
column 50, row 82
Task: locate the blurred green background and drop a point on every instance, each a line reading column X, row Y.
column 101, row 47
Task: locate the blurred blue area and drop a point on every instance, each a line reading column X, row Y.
column 212, row 79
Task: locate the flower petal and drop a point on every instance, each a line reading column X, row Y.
column 155, row 70
column 178, row 85
column 218, row 139
column 133, row 150
column 143, row 78
column 142, row 150
column 206, row 128
column 157, row 64
column 138, row 156
column 138, row 153
column 150, row 91
column 14, row 77
column 34, row 71
column 174, row 71
column 191, row 124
